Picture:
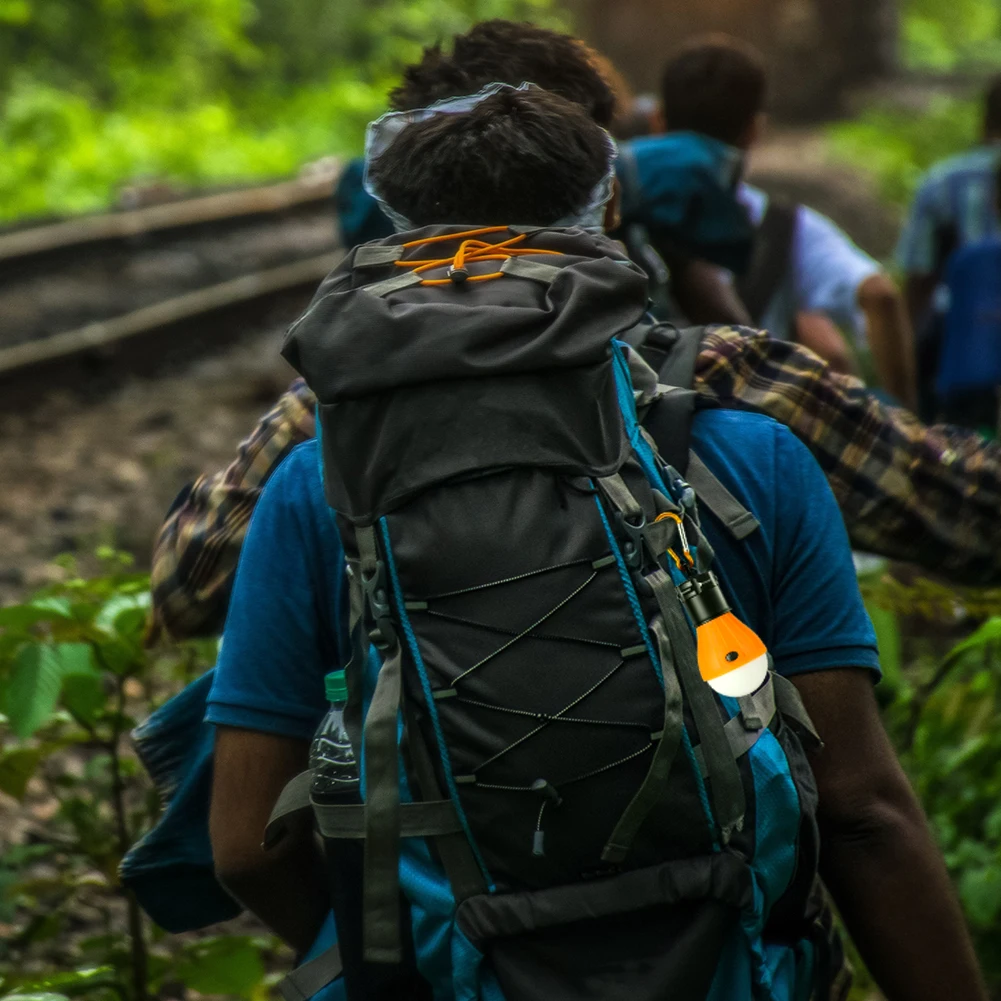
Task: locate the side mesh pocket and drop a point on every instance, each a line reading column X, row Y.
column 643, row 935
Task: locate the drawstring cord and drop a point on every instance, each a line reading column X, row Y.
column 470, row 251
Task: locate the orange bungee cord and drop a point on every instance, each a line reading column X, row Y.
column 470, row 251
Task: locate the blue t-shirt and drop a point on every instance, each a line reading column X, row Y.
column 792, row 581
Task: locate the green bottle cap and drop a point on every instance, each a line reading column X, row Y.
column 337, row 687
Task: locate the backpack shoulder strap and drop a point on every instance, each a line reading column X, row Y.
column 669, row 419
column 770, row 258
column 669, row 424
column 736, row 519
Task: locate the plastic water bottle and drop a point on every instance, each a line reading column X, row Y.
column 331, row 757
column 336, row 783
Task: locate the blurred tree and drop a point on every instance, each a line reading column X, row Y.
column 111, row 51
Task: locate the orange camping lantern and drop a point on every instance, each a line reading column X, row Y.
column 732, row 658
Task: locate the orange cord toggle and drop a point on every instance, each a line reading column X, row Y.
column 470, row 251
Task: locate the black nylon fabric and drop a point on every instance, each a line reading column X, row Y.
column 349, row 344
column 648, row 935
column 476, row 420
column 502, row 527
column 431, row 382
column 384, row 448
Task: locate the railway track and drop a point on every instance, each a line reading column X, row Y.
column 128, row 288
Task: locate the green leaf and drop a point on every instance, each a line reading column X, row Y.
column 33, row 690
column 72, row 984
column 989, row 632
column 83, row 688
column 124, row 614
column 980, row 891
column 21, row 617
column 16, row 769
column 226, row 965
column 888, row 641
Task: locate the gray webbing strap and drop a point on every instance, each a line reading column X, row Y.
column 652, row 790
column 523, row 267
column 464, row 875
column 354, row 672
column 790, row 705
column 417, row 820
column 294, row 799
column 310, row 978
column 736, row 519
column 758, row 709
column 373, row 257
column 724, row 776
column 394, row 284
column 381, row 910
column 621, row 496
column 368, row 550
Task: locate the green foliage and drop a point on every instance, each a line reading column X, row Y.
column 75, row 674
column 947, row 36
column 897, row 146
column 944, row 714
column 99, row 93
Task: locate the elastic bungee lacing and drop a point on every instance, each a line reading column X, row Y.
column 470, row 251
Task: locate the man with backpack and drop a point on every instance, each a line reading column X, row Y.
column 951, row 279
column 953, row 208
column 805, row 274
column 968, row 379
column 930, row 496
column 572, row 812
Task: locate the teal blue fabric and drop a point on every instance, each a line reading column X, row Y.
column 358, row 213
column 682, row 187
column 170, row 869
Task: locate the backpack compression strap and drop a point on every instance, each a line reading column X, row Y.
column 770, row 259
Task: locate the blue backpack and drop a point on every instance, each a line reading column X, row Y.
column 970, row 358
column 570, row 810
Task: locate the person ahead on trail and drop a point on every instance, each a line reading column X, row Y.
column 953, row 207
column 573, row 819
column 805, row 275
column 968, row 377
column 930, row 496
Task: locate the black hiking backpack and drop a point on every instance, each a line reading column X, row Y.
column 570, row 810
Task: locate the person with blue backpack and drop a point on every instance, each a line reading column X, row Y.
column 968, row 376
column 537, row 567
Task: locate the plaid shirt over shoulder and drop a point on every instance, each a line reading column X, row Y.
column 926, row 495
column 931, row 496
column 198, row 547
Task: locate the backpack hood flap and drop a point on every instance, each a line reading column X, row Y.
column 418, row 384
column 352, row 342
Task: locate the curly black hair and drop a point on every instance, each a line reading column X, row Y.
column 509, row 52
column 519, row 156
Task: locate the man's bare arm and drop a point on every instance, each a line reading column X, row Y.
column 818, row 333
column 285, row 887
column 878, row 857
column 891, row 337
